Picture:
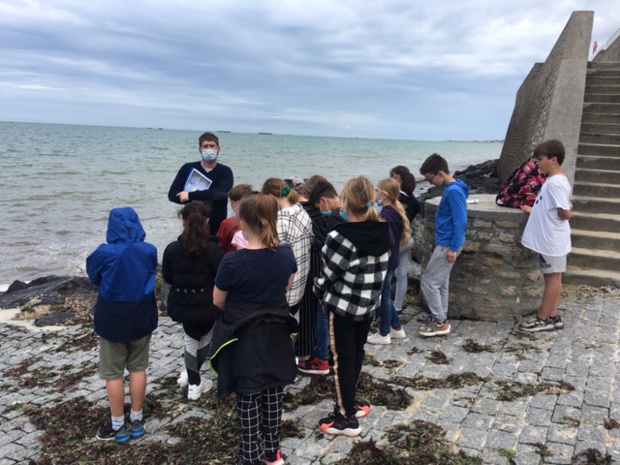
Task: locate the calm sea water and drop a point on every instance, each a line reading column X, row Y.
column 59, row 182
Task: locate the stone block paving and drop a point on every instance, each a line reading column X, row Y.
column 585, row 354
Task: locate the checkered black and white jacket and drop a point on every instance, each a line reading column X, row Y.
column 356, row 261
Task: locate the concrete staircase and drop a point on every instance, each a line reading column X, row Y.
column 595, row 259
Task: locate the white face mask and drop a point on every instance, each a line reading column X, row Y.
column 209, row 156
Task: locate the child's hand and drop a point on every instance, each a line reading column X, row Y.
column 526, row 208
column 451, row 256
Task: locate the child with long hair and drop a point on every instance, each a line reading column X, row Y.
column 400, row 234
column 230, row 226
column 253, row 354
column 407, row 199
column 356, row 257
column 189, row 266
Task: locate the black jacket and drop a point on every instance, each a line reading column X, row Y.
column 252, row 348
column 192, row 279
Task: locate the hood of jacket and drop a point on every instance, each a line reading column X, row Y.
column 371, row 237
column 124, row 226
column 460, row 186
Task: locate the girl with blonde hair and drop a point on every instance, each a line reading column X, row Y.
column 407, row 199
column 400, row 233
column 355, row 258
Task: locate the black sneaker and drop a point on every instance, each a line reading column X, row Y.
column 362, row 409
column 336, row 424
column 557, row 321
column 107, row 433
column 535, row 325
column 137, row 429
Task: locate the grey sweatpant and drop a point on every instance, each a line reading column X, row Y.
column 435, row 283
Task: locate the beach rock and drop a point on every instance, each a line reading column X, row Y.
column 47, row 289
column 53, row 319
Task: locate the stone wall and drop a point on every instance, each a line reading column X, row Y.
column 495, row 278
column 611, row 50
column 549, row 103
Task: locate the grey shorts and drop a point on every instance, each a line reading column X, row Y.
column 550, row 265
column 114, row 357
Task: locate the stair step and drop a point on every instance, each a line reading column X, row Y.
column 605, row 150
column 595, row 258
column 595, row 221
column 593, row 117
column 603, row 72
column 602, row 89
column 597, row 162
column 600, row 128
column 596, row 189
column 591, row 277
column 602, row 240
column 601, row 97
column 604, row 65
column 604, row 108
column 604, row 80
column 586, row 204
column 597, row 176
column 612, row 139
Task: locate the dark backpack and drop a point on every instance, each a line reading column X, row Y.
column 522, row 187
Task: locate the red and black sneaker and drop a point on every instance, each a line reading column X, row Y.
column 338, row 425
column 314, row 366
column 273, row 458
column 362, row 409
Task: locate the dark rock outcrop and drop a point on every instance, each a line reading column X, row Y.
column 49, row 290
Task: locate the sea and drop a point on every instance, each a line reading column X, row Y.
column 59, row 182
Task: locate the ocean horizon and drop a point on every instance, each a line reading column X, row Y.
column 60, row 181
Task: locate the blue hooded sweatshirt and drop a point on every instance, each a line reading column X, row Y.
column 451, row 217
column 124, row 270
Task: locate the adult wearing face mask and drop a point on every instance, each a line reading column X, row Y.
column 214, row 189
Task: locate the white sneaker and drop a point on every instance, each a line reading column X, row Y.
column 377, row 338
column 194, row 391
column 398, row 333
column 182, row 380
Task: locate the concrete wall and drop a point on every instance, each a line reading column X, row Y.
column 495, row 278
column 549, row 103
column 611, row 50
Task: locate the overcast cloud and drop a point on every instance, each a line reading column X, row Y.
column 362, row 68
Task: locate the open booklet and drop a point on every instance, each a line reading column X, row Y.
column 196, row 181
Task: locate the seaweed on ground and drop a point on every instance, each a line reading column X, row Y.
column 376, row 392
column 473, row 347
column 453, row 381
column 438, row 358
column 592, row 457
column 511, row 390
column 419, row 442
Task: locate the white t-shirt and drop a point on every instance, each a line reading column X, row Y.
column 545, row 232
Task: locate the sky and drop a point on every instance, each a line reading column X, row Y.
column 395, row 69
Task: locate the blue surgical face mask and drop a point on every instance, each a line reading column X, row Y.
column 380, row 203
column 345, row 215
column 327, row 213
column 209, row 156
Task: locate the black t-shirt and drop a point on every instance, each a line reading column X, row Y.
column 256, row 275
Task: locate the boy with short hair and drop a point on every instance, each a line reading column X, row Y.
column 230, row 226
column 125, row 317
column 548, row 233
column 450, row 228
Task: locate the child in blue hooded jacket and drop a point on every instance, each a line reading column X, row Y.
column 450, row 228
column 125, row 316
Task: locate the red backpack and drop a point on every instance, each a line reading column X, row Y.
column 522, row 187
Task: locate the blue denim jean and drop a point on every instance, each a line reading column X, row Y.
column 388, row 314
column 322, row 334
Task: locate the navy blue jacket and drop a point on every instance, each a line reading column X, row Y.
column 124, row 270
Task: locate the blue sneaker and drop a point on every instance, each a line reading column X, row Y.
column 107, row 433
column 137, row 429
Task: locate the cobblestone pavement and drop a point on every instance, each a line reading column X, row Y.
column 585, row 354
